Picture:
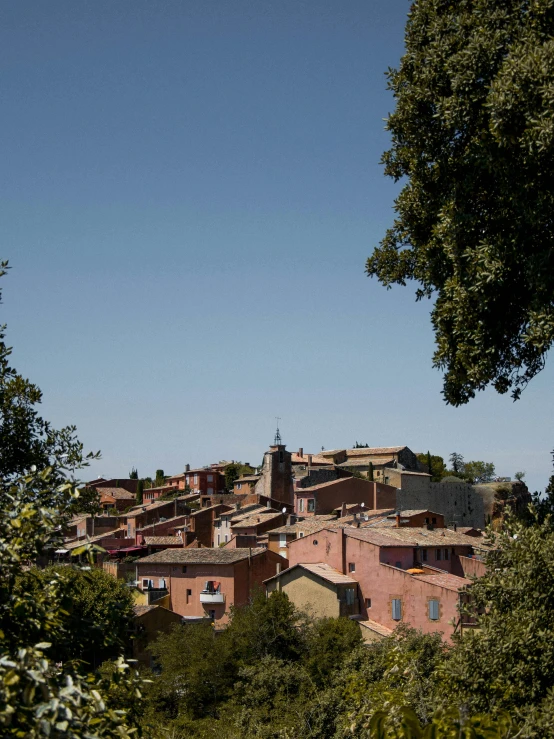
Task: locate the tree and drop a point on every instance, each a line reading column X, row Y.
column 160, row 479
column 88, row 501
column 435, row 464
column 371, row 473
column 457, row 462
column 519, row 476
column 140, row 491
column 97, row 613
column 133, row 474
column 472, row 136
column 235, row 470
column 508, row 662
column 476, row 472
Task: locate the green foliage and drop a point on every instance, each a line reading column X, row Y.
column 96, row 612
column 520, row 476
column 140, row 492
column 435, row 464
column 357, row 445
column 476, row 472
column 371, row 473
column 329, row 642
column 235, row 470
column 473, row 136
column 160, row 479
column 133, row 474
column 88, row 501
column 457, row 462
column 508, row 663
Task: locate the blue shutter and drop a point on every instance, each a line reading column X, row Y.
column 396, row 609
column 434, row 610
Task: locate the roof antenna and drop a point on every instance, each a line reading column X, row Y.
column 277, row 441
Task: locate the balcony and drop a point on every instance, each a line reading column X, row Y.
column 207, row 596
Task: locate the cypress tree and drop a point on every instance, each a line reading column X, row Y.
column 140, row 490
column 430, row 469
column 370, row 472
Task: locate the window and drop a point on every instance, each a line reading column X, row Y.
column 226, row 538
column 239, row 485
column 433, row 520
column 349, row 592
column 218, row 540
column 184, row 569
column 368, row 602
column 424, row 555
column 426, row 519
column 433, row 610
column 281, row 457
column 300, row 505
column 212, row 614
column 438, row 554
column 398, row 564
column 446, row 553
column 314, row 542
column 386, row 480
column 282, row 540
column 311, row 505
column 351, row 567
column 210, row 491
column 188, row 479
column 147, row 584
column 162, row 583
column 128, row 530
column 189, row 594
column 396, row 604
column 210, row 478
column 301, row 534
column 196, row 479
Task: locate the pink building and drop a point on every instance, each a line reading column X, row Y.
column 327, row 496
column 207, row 582
column 411, row 575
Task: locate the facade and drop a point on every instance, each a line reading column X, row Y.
column 276, row 477
column 409, row 575
column 152, row 494
column 126, row 483
column 205, row 481
column 207, row 582
column 318, row 589
column 115, row 499
column 324, row 498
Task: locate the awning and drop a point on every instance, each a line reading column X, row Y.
column 126, row 550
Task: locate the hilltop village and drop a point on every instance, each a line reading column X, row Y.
column 363, row 533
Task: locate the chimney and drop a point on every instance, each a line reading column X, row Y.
column 301, row 452
column 397, row 519
column 187, row 468
column 309, row 461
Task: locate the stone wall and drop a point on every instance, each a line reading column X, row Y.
column 460, row 503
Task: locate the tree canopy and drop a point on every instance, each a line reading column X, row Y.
column 473, row 141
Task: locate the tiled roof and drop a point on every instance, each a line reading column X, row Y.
column 167, row 520
column 316, row 459
column 411, row 536
column 444, row 580
column 329, row 573
column 248, row 478
column 382, row 450
column 117, row 493
column 212, row 508
column 163, row 540
column 374, row 626
column 91, row 539
column 141, row 610
column 365, row 462
column 328, row 484
column 138, row 509
column 309, row 525
column 255, row 518
column 417, row 512
column 205, row 556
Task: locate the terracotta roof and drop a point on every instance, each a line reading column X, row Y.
column 374, row 626
column 87, row 540
column 411, row 536
column 322, row 485
column 117, row 493
column 177, row 477
column 444, row 580
column 248, row 478
column 167, row 520
column 382, row 450
column 255, row 518
column 321, row 569
column 163, row 540
column 328, row 573
column 417, row 512
column 206, row 556
column 316, row 459
column 211, row 508
column 365, row 462
column 138, row 509
column 141, row 610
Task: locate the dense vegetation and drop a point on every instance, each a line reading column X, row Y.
column 473, row 143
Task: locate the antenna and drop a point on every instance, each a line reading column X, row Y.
column 277, row 441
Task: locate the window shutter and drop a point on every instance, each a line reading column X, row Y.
column 434, row 610
column 396, row 609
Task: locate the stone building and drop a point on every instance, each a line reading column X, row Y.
column 276, row 478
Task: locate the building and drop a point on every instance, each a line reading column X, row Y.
column 381, row 459
column 222, row 532
column 327, row 496
column 152, row 494
column 207, row 582
column 257, row 523
column 245, row 484
column 318, row 589
column 115, row 499
column 406, row 574
column 276, row 476
column 126, row 483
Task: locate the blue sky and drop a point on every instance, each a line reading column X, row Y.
column 189, row 194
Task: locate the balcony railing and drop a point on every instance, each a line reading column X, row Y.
column 207, row 596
